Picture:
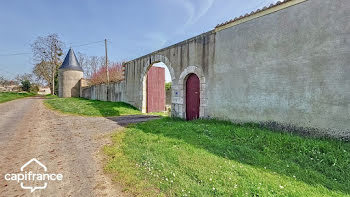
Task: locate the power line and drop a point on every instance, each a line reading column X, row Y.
column 75, row 46
column 86, row 44
column 8, row 72
column 15, row 54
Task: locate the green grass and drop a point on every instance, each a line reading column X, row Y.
column 161, row 114
column 50, row 96
column 80, row 106
column 8, row 96
column 170, row 157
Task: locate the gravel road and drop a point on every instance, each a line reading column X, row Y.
column 66, row 144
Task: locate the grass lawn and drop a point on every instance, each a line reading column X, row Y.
column 50, row 96
column 8, row 96
column 171, row 157
column 81, row 106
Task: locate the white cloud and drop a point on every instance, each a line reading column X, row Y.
column 206, row 5
column 194, row 11
column 156, row 39
column 190, row 9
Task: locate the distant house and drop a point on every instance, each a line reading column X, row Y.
column 44, row 90
column 10, row 88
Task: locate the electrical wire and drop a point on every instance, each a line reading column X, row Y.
column 86, row 44
column 8, row 72
column 15, row 54
column 75, row 46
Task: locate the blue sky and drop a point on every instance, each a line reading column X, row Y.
column 134, row 27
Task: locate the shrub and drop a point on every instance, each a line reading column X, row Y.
column 34, row 88
column 26, row 85
column 168, row 86
column 100, row 76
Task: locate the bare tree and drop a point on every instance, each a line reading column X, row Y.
column 6, row 82
column 115, row 74
column 24, row 77
column 2, row 80
column 47, row 53
column 90, row 64
column 42, row 72
column 84, row 61
column 94, row 64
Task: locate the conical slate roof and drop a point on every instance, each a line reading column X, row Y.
column 71, row 62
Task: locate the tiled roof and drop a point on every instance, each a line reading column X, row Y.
column 253, row 12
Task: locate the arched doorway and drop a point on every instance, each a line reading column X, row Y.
column 192, row 97
column 181, row 88
column 156, row 88
column 152, row 61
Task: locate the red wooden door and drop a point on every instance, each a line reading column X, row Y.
column 156, row 89
column 192, row 97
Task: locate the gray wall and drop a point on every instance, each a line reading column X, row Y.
column 99, row 92
column 168, row 97
column 196, row 53
column 291, row 67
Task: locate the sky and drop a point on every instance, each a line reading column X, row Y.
column 133, row 28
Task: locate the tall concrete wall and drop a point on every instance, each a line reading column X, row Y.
column 288, row 67
column 291, row 67
column 191, row 56
column 99, row 92
column 168, row 97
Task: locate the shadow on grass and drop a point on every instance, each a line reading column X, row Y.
column 323, row 162
column 120, row 112
column 81, row 106
column 131, row 119
column 104, row 108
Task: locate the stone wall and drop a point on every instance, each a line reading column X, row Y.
column 290, row 68
column 192, row 55
column 168, row 97
column 287, row 67
column 99, row 92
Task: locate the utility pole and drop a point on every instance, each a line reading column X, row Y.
column 54, row 67
column 107, row 72
column 53, row 80
column 107, row 61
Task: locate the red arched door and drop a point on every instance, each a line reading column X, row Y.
column 155, row 89
column 192, row 97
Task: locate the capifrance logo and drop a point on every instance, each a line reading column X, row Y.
column 33, row 177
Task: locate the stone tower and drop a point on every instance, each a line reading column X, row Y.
column 69, row 76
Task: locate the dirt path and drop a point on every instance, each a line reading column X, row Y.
column 65, row 144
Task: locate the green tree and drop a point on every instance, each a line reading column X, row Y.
column 26, row 85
